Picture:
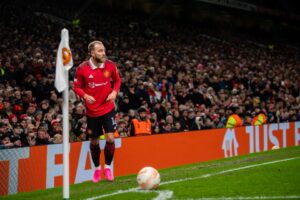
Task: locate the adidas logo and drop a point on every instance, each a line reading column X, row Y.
column 91, row 76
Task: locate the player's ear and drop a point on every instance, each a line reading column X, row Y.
column 91, row 53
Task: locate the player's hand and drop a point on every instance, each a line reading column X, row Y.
column 112, row 96
column 89, row 99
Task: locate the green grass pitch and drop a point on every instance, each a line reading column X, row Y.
column 268, row 175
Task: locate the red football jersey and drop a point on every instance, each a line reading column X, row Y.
column 96, row 81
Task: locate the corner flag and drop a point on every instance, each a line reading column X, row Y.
column 64, row 61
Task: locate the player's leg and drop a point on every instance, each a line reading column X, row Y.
column 109, row 125
column 94, row 130
column 109, row 149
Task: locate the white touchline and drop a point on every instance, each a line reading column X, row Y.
column 229, row 170
column 197, row 177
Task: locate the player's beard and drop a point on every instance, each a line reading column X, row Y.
column 100, row 60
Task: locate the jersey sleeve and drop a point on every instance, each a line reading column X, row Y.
column 116, row 78
column 79, row 82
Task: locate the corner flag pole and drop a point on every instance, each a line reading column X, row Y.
column 66, row 187
column 64, row 62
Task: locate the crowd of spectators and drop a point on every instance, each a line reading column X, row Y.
column 185, row 78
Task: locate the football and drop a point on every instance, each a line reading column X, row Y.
column 148, row 178
column 275, row 147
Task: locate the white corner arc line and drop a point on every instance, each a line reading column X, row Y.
column 162, row 194
column 197, row 177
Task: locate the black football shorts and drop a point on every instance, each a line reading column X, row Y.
column 97, row 126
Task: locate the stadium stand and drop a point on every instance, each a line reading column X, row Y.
column 186, row 77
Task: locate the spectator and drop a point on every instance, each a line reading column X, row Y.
column 31, row 139
column 43, row 137
column 141, row 125
column 177, row 127
column 122, row 128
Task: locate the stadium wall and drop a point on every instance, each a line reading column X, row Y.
column 40, row 167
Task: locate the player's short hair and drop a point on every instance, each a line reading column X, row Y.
column 92, row 44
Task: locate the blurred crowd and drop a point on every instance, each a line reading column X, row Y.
column 186, row 77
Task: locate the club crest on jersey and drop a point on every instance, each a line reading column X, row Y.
column 106, row 74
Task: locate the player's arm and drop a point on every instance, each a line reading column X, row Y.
column 117, row 80
column 117, row 84
column 79, row 85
